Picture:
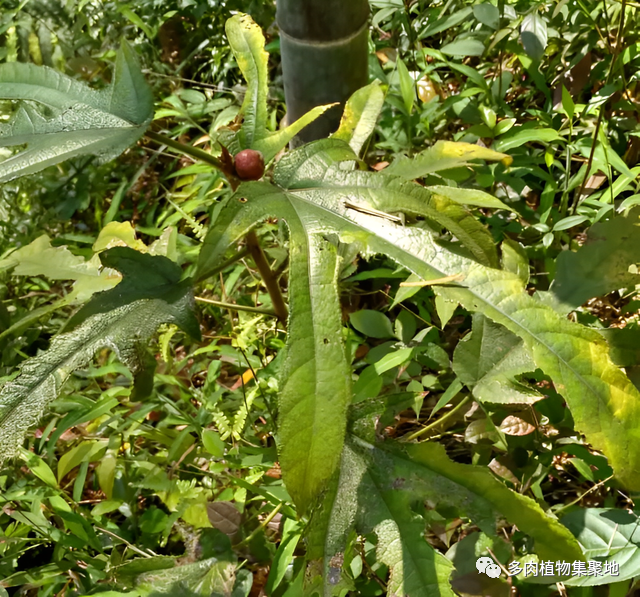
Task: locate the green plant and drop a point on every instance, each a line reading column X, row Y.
column 336, row 461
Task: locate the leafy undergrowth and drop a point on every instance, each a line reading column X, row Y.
column 461, row 412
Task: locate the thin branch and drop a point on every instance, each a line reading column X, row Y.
column 233, row 307
column 268, row 277
column 614, row 56
column 441, row 420
column 189, row 150
column 253, row 244
column 262, row 526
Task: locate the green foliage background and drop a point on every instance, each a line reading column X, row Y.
column 392, row 433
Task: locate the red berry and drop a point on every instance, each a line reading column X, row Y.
column 249, row 164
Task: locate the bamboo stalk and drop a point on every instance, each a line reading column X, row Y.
column 323, row 45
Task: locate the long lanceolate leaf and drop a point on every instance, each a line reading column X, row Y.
column 604, row 403
column 316, row 381
column 381, row 488
column 60, row 117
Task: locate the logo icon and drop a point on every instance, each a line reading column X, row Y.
column 486, row 565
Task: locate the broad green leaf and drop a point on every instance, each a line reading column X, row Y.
column 463, row 47
column 604, row 403
column 515, row 259
column 70, row 118
column 343, row 191
column 407, row 86
column 569, row 222
column 425, row 471
column 247, row 44
column 443, row 156
column 395, row 358
column 606, row 535
column 39, row 258
column 533, row 33
column 360, row 116
column 372, row 323
column 405, row 326
column 144, row 276
column 368, row 385
column 518, row 136
column 488, row 116
column 39, row 467
column 406, row 292
column 212, row 443
column 445, row 310
column 488, row 360
column 603, row 264
column 124, row 330
column 371, row 496
column 88, row 451
column 469, row 197
column 487, row 14
column 118, row 234
column 504, row 125
column 475, row 491
column 381, row 487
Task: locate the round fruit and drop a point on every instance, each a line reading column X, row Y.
column 249, row 164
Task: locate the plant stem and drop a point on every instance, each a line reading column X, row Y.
column 253, row 245
column 233, row 307
column 189, row 150
column 614, row 56
column 263, row 525
column 441, row 420
column 268, row 277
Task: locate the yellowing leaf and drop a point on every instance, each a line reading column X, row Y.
column 443, row 156
column 118, row 234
